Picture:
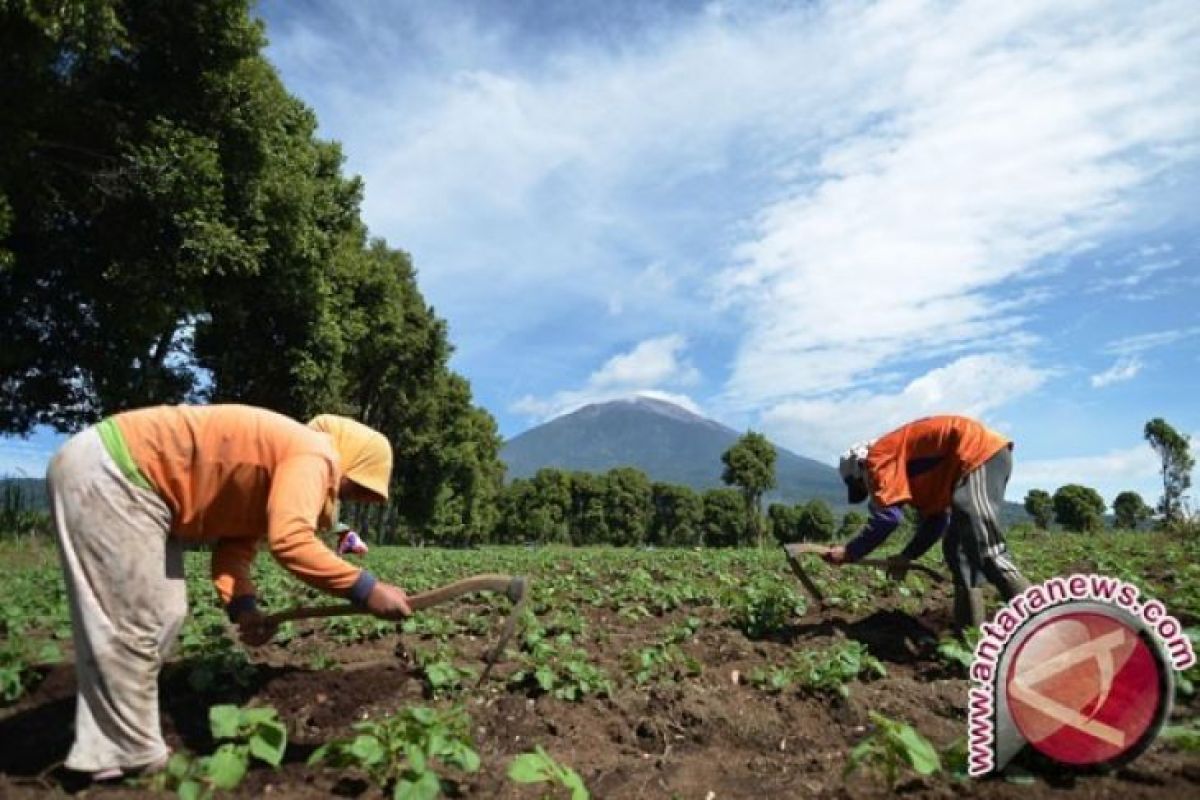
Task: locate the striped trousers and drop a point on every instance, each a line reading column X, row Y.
column 974, row 545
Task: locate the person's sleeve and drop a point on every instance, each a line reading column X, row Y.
column 298, row 491
column 231, row 562
column 880, row 526
column 929, row 531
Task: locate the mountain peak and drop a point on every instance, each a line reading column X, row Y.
column 666, row 441
column 646, row 403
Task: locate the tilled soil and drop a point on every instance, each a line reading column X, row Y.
column 708, row 737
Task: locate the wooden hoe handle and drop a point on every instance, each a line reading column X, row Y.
column 802, row 548
column 514, row 587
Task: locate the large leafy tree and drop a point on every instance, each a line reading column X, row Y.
column 677, row 514
column 514, row 501
column 750, row 466
column 1079, row 508
column 120, row 178
column 724, row 517
column 589, row 525
column 172, row 229
column 1040, row 505
column 1130, row 511
column 627, row 505
column 1176, row 463
column 782, row 519
column 814, row 521
column 550, row 503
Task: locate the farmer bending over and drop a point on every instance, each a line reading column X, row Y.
column 953, row 471
column 128, row 492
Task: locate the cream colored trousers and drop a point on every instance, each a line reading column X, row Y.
column 128, row 597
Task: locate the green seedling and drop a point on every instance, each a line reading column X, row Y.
column 406, row 752
column 892, row 748
column 540, row 767
column 829, row 670
column 247, row 733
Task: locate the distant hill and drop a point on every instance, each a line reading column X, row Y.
column 667, row 442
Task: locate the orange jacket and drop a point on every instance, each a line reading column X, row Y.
column 236, row 474
column 921, row 462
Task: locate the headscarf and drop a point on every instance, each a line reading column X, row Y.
column 365, row 454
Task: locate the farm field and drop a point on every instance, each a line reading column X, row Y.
column 668, row 673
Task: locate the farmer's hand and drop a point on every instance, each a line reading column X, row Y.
column 897, row 567
column 835, row 555
column 255, row 629
column 388, row 602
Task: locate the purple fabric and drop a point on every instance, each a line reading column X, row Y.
column 930, row 530
column 880, row 526
column 351, row 543
column 361, row 588
column 239, row 605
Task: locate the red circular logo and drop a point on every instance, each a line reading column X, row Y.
column 1083, row 688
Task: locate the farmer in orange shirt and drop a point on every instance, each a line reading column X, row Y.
column 129, row 492
column 953, row 471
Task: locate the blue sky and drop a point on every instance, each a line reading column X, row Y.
column 819, row 220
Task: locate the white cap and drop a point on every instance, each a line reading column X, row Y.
column 850, row 465
column 851, row 468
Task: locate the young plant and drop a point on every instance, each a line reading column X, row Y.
column 247, row 733
column 892, row 747
column 555, row 666
column 321, row 660
column 828, row 670
column 18, row 658
column 684, row 631
column 404, row 751
column 663, row 662
column 441, row 674
column 350, row 630
column 763, row 607
column 956, row 759
column 540, row 767
column 212, row 659
column 1184, row 737
column 959, row 652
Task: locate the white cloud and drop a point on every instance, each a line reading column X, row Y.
column 1137, row 276
column 973, row 385
column 994, row 136
column 1123, row 369
column 651, row 364
column 1131, row 345
column 1129, row 469
column 844, row 194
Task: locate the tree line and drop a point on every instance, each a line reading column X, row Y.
column 1081, row 508
column 625, row 507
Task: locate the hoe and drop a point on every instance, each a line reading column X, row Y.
column 794, row 551
column 514, row 587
